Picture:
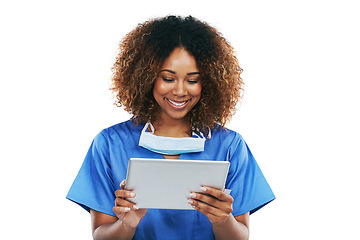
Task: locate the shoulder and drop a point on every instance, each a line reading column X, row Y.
column 226, row 135
column 127, row 127
column 123, row 132
column 227, row 142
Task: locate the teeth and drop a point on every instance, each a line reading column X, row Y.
column 177, row 104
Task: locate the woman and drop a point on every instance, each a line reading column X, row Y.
column 179, row 78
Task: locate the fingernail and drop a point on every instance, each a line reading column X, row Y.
column 190, row 201
column 192, row 195
column 203, row 189
column 127, row 209
column 135, row 207
column 132, row 194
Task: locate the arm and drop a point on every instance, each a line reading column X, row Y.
column 108, row 227
column 123, row 226
column 233, row 227
column 216, row 205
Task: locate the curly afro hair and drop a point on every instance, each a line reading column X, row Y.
column 144, row 50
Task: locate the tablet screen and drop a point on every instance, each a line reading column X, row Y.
column 166, row 184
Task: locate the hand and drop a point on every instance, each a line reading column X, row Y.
column 215, row 204
column 126, row 210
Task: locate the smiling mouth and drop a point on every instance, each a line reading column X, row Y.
column 177, row 104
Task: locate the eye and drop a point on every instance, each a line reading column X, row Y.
column 192, row 81
column 167, row 79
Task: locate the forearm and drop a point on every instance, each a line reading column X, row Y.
column 230, row 229
column 113, row 231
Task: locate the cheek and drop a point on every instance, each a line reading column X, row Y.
column 195, row 91
column 160, row 88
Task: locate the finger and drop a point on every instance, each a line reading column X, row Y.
column 124, row 194
column 212, row 218
column 213, row 214
column 127, row 205
column 122, row 184
column 217, row 193
column 207, row 199
column 202, row 205
column 203, row 200
column 119, row 210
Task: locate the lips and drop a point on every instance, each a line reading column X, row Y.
column 177, row 104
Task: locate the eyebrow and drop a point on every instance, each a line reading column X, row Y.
column 170, row 71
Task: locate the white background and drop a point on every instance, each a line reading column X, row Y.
column 300, row 113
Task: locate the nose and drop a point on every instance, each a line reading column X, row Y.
column 179, row 88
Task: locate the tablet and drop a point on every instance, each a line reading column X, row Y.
column 167, row 184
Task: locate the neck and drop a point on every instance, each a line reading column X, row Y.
column 168, row 127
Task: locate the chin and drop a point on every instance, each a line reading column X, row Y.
column 177, row 116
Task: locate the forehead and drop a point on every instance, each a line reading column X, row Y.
column 180, row 59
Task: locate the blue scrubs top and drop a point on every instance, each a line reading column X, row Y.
column 105, row 166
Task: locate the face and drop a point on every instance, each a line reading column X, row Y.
column 177, row 88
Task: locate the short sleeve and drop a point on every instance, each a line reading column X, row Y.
column 93, row 187
column 247, row 183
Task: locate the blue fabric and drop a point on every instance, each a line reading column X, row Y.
column 105, row 166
